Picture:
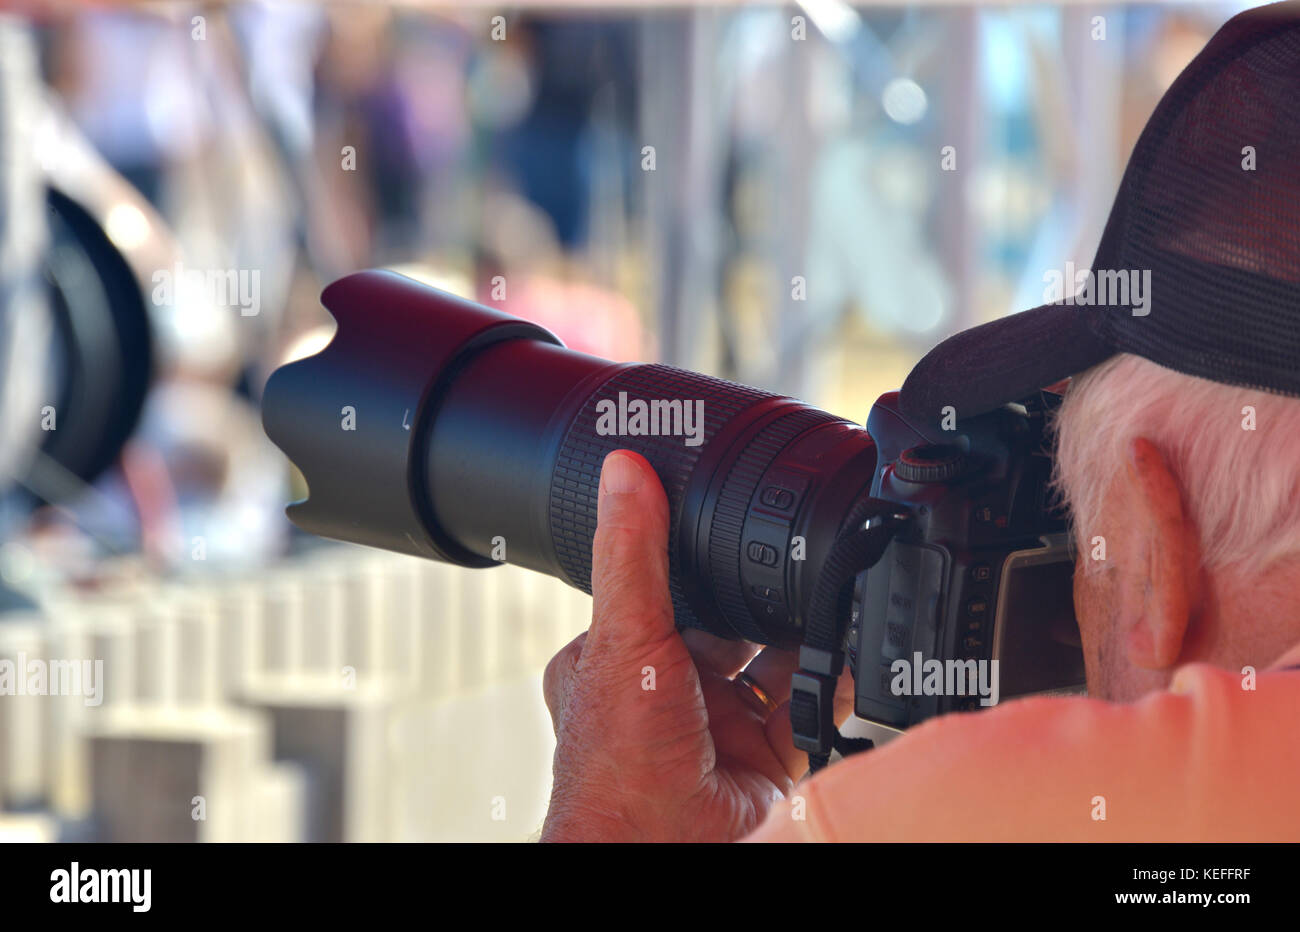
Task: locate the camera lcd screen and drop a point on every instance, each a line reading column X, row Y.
column 1037, row 643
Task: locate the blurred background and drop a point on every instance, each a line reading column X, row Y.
column 801, row 197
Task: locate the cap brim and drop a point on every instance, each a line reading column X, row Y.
column 1005, row 360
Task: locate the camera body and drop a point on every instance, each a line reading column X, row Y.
column 971, row 601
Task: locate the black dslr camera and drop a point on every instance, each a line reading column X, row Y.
column 900, row 546
column 976, row 589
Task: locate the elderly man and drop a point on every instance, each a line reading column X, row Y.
column 1178, row 449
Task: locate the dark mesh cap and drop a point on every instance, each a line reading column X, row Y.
column 1206, row 224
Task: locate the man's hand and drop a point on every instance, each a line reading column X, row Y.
column 655, row 741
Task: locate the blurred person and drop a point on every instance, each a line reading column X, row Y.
column 129, row 87
column 1176, row 450
column 547, row 150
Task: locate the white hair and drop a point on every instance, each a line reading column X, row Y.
column 1241, row 486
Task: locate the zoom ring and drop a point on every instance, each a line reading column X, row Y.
column 576, row 479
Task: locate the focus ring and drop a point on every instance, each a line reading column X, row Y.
column 576, row 478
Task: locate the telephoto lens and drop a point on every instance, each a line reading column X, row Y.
column 434, row 426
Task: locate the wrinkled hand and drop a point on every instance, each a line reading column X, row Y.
column 655, row 742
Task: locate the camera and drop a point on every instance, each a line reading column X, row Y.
column 438, row 427
column 978, row 583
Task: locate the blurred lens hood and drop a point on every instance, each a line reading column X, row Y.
column 351, row 418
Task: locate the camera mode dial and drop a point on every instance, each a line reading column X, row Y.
column 930, row 463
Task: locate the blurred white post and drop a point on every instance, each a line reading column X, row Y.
column 22, row 710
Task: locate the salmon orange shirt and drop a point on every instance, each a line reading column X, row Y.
column 1206, row 760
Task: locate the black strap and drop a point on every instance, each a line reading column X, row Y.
column 865, row 534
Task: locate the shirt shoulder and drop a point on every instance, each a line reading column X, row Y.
column 1210, row 758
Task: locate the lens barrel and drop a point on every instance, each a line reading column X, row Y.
column 437, row 427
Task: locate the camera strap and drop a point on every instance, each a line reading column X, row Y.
column 864, row 536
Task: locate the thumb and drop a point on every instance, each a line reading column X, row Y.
column 629, row 560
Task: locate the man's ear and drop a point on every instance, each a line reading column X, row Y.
column 1159, row 574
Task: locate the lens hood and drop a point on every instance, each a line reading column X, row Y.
column 350, row 417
